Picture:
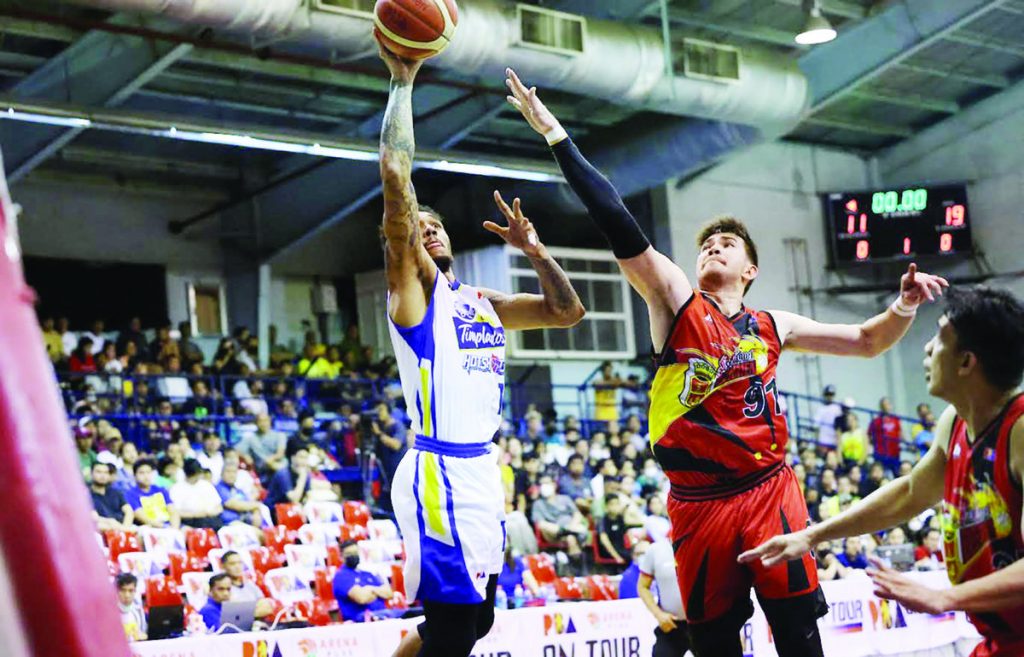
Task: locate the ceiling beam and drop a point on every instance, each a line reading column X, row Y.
column 442, row 129
column 98, row 69
column 929, row 152
column 745, row 29
column 978, row 40
column 993, row 80
column 618, row 10
column 859, row 125
column 882, row 41
column 908, row 100
column 850, row 10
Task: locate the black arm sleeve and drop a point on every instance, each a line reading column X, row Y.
column 602, row 201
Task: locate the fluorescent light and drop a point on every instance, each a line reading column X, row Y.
column 816, row 30
column 66, row 121
column 489, row 170
column 152, row 128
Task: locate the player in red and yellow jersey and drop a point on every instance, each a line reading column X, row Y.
column 715, row 423
column 975, row 468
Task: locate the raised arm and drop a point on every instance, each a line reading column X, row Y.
column 558, row 305
column 409, row 269
column 999, row 591
column 890, row 505
column 870, row 338
column 660, row 282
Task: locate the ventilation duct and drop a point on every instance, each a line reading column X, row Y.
column 620, row 63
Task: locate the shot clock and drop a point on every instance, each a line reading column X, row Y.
column 898, row 224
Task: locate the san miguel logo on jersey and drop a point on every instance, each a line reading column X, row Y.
column 477, row 330
column 979, row 520
column 705, row 373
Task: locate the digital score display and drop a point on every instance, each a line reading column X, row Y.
column 898, row 224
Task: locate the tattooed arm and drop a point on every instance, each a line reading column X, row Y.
column 558, row 305
column 410, row 271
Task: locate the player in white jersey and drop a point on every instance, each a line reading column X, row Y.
column 449, row 341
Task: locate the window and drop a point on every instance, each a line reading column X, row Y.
column 607, row 330
column 207, row 309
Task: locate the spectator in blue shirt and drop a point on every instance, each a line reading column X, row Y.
column 358, row 591
column 220, row 592
column 853, row 554
column 238, row 506
column 290, row 483
column 631, row 575
column 515, row 573
column 151, row 503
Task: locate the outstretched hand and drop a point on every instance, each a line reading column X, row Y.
column 784, row 547
column 402, row 70
column 917, row 287
column 529, row 105
column 520, row 232
column 892, row 585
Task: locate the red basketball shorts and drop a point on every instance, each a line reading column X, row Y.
column 709, row 535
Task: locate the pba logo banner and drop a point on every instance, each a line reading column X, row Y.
column 260, row 648
column 558, row 623
column 886, row 615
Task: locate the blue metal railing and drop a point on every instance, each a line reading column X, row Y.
column 125, row 400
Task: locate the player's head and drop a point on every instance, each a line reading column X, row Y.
column 435, row 238
column 979, row 342
column 726, row 255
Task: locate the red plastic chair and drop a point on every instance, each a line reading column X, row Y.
column 257, row 578
column 181, row 563
column 315, row 611
column 323, row 588
column 544, row 545
column 568, row 589
column 600, row 587
column 353, row 533
column 264, row 559
column 277, row 537
column 542, row 566
column 289, row 515
column 334, row 556
column 398, row 579
column 119, row 542
column 356, row 513
column 162, row 592
column 199, row 542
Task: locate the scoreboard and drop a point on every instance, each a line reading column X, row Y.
column 898, row 224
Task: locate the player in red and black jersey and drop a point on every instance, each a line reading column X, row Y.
column 715, row 423
column 975, row 468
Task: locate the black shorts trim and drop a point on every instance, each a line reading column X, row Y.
column 733, row 488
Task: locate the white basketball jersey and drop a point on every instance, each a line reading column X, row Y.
column 452, row 365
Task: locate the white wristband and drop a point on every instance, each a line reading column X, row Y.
column 902, row 309
column 556, row 135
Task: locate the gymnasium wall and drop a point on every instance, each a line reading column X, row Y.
column 987, row 152
column 775, row 189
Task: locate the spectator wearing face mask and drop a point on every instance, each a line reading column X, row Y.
column 359, row 593
column 557, row 518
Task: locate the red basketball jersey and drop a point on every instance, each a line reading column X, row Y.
column 715, row 423
column 981, row 513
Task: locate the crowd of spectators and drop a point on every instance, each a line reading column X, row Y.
column 587, row 489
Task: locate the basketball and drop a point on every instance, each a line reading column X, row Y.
column 415, row 29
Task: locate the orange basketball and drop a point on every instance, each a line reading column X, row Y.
column 415, row 29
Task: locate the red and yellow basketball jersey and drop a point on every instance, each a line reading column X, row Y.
column 715, row 423
column 981, row 512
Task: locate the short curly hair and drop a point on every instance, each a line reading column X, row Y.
column 729, row 224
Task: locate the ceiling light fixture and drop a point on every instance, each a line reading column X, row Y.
column 817, row 29
column 435, row 160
